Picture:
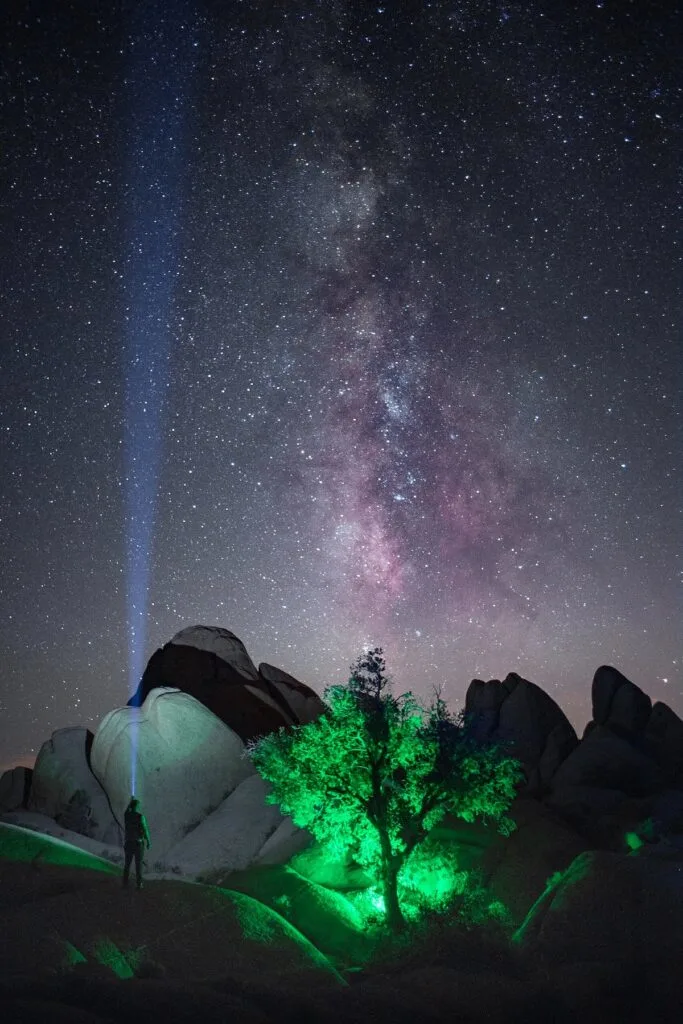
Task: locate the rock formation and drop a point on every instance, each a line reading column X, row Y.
column 517, row 867
column 664, row 738
column 213, row 665
column 201, row 699
column 186, row 762
column 609, row 905
column 286, row 841
column 619, row 705
column 303, row 703
column 604, row 760
column 629, row 755
column 64, row 787
column 15, row 787
column 231, row 837
column 591, row 875
column 526, row 721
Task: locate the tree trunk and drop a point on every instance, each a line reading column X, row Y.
column 390, row 869
column 390, row 862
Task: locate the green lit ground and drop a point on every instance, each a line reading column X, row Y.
column 20, row 844
column 75, row 946
column 62, row 907
column 50, row 882
column 345, row 928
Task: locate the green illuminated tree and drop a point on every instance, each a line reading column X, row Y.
column 376, row 772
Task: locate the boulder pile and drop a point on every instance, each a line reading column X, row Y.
column 213, row 666
column 181, row 744
column 625, row 773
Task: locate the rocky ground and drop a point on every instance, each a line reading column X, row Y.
column 603, row 944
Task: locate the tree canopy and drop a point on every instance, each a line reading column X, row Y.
column 376, row 772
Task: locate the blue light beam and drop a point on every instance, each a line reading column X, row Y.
column 157, row 84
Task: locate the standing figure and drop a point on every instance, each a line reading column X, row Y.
column 136, row 839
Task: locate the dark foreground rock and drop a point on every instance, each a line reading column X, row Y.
column 610, row 932
column 612, row 908
column 172, row 930
column 76, row 947
column 517, row 868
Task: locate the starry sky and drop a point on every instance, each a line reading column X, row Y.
column 336, row 323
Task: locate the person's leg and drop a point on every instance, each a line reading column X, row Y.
column 138, row 864
column 128, row 857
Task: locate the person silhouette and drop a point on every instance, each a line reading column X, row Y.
column 136, row 838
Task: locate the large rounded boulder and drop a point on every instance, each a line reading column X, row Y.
column 15, row 786
column 302, row 702
column 213, row 666
column 611, row 907
column 63, row 787
column 605, row 760
column 178, row 757
column 619, row 705
column 664, row 739
column 231, row 837
column 612, row 926
column 526, row 721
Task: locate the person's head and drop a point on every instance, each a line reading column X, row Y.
column 134, row 804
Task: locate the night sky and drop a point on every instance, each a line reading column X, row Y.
column 337, row 323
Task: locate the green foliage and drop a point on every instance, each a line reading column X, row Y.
column 123, row 963
column 430, row 879
column 633, row 841
column 376, row 772
column 72, row 955
column 431, row 885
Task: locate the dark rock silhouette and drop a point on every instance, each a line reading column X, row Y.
column 626, row 769
column 528, row 722
column 605, row 760
column 664, row 738
column 212, row 665
column 619, row 704
column 15, row 786
column 630, row 754
column 303, row 703
column 608, row 907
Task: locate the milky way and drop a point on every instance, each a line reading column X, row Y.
column 422, row 378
